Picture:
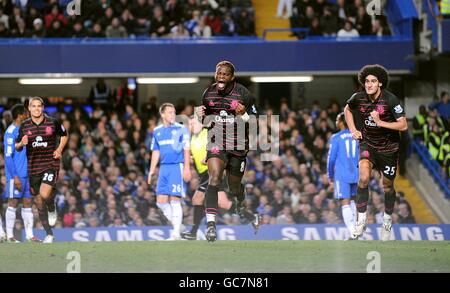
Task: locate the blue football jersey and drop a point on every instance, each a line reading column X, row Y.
column 15, row 161
column 171, row 141
column 342, row 161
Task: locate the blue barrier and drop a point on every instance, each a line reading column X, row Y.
column 245, row 232
column 446, row 35
column 401, row 14
column 198, row 56
column 430, row 7
column 432, row 166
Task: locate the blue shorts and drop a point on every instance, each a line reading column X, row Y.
column 170, row 180
column 12, row 192
column 344, row 190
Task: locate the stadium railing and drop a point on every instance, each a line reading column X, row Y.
column 432, row 166
column 303, row 30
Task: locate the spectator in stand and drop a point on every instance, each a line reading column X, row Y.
column 116, row 30
column 54, row 14
column 159, row 25
column 97, row 31
column 245, row 24
column 78, row 30
column 443, row 107
column 329, row 22
column 228, row 26
column 202, row 30
column 128, row 22
column 100, row 94
column 179, row 32
column 4, row 18
column 212, row 19
column 174, row 12
column 380, row 27
column 316, row 29
column 4, row 33
column 106, row 18
column 363, row 22
column 56, row 30
column 348, row 31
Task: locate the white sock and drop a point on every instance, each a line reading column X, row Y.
column 2, row 232
column 10, row 218
column 27, row 216
column 386, row 216
column 362, row 217
column 177, row 216
column 166, row 209
column 210, row 218
column 354, row 211
column 348, row 217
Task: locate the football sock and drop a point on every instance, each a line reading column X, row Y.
column 43, row 216
column 27, row 216
column 354, row 212
column 347, row 215
column 199, row 213
column 211, row 203
column 10, row 218
column 361, row 199
column 177, row 216
column 389, row 201
column 166, row 209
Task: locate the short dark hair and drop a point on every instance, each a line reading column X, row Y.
column 443, row 93
column 376, row 70
column 164, row 106
column 341, row 118
column 17, row 110
column 227, row 64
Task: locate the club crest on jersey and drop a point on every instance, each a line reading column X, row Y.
column 398, row 109
column 211, row 103
column 29, row 132
column 215, row 150
column 365, row 154
column 48, row 130
column 234, row 104
column 380, row 109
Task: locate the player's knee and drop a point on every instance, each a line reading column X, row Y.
column 388, row 188
column 345, row 202
column 198, row 199
column 13, row 203
column 214, row 180
column 363, row 181
column 27, row 203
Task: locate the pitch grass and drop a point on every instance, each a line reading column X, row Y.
column 228, row 256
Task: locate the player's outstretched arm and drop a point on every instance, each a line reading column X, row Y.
column 351, row 123
column 23, row 142
column 62, row 144
column 187, row 165
column 153, row 163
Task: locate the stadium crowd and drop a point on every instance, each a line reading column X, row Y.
column 126, row 18
column 431, row 129
column 102, row 180
column 346, row 18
